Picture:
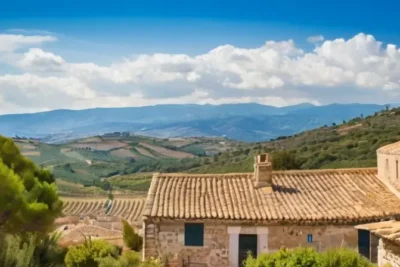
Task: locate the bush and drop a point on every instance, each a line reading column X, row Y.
column 308, row 257
column 30, row 251
column 131, row 239
column 90, row 254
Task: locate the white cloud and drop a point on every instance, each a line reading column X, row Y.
column 12, row 42
column 315, row 38
column 277, row 73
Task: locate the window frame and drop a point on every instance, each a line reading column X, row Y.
column 309, row 238
column 190, row 231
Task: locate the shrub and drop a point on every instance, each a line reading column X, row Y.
column 131, row 239
column 90, row 254
column 308, row 257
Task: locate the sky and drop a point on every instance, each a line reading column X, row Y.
column 85, row 54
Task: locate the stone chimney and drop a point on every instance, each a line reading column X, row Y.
column 262, row 171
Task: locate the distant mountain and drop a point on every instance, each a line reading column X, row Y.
column 249, row 122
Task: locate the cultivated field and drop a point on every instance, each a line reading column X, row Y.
column 144, row 152
column 124, row 153
column 103, row 146
column 168, row 152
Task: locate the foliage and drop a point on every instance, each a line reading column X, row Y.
column 308, row 257
column 285, row 160
column 131, row 239
column 130, row 259
column 32, row 251
column 90, row 254
column 28, row 201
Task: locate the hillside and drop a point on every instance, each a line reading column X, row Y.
column 350, row 144
column 91, row 165
column 246, row 122
column 81, row 166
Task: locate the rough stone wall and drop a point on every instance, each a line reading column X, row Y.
column 323, row 237
column 169, row 241
column 388, row 253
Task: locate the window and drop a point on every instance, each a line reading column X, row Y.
column 309, row 238
column 194, row 234
column 397, row 169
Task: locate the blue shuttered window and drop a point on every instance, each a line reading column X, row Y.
column 194, row 234
column 309, row 238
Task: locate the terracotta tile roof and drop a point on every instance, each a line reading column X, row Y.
column 344, row 195
column 390, row 149
column 389, row 230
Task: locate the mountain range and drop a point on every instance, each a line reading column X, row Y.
column 246, row 122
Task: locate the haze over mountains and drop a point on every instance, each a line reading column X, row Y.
column 247, row 122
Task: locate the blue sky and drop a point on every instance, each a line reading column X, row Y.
column 107, row 34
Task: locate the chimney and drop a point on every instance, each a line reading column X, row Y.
column 262, row 171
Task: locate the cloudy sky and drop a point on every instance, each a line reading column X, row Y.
column 69, row 54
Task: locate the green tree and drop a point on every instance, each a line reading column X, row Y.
column 90, row 254
column 29, row 199
column 131, row 239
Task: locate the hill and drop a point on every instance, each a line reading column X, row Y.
column 246, row 122
column 92, row 165
column 350, row 144
column 82, row 166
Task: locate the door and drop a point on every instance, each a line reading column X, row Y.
column 247, row 243
column 363, row 243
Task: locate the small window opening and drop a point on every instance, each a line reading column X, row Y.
column 309, row 238
column 397, row 169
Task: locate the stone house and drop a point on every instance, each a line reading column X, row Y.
column 215, row 219
column 384, row 242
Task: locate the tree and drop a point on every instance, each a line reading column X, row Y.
column 131, row 239
column 29, row 199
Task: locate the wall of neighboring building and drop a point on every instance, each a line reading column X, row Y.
column 221, row 242
column 389, row 168
column 388, row 252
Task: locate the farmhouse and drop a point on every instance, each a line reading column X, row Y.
column 215, row 219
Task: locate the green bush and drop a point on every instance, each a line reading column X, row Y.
column 308, row 257
column 131, row 239
column 32, row 251
column 90, row 254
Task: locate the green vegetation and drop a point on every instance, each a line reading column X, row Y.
column 28, row 199
column 131, row 239
column 32, row 251
column 308, row 257
column 351, row 144
column 90, row 253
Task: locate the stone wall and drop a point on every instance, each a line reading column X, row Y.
column 388, row 252
column 166, row 239
column 323, row 237
column 169, row 241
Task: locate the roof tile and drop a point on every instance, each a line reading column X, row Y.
column 312, row 195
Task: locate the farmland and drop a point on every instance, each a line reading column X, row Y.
column 88, row 166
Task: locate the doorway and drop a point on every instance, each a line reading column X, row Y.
column 247, row 244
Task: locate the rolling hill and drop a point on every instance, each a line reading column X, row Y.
column 246, row 122
column 91, row 165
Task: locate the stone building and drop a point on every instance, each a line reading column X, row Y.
column 384, row 242
column 215, row 219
